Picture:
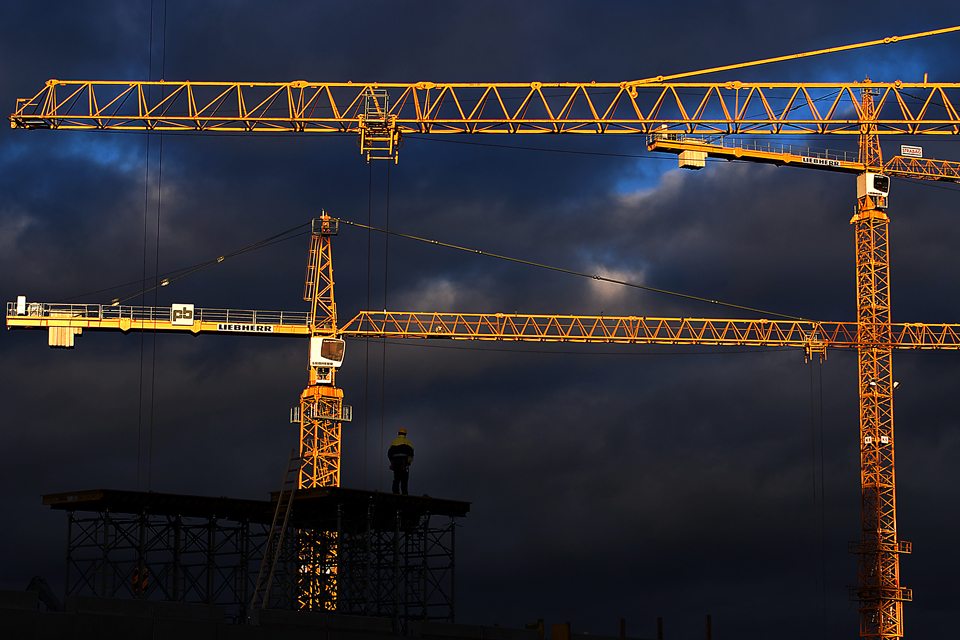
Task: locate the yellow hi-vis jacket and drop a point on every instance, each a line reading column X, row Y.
column 400, row 453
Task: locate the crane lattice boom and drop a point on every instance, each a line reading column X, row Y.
column 924, row 108
column 640, row 330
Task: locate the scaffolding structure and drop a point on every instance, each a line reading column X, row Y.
column 396, row 554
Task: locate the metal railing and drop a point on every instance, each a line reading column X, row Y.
column 763, row 146
column 157, row 314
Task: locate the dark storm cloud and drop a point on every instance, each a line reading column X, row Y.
column 607, row 481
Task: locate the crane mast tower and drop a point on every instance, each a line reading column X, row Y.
column 320, row 414
column 321, row 403
column 879, row 594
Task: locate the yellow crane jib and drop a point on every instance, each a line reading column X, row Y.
column 807, row 335
column 382, row 112
column 694, row 149
column 65, row 321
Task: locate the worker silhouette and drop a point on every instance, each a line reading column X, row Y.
column 400, row 455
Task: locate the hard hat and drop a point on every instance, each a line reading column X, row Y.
column 402, row 431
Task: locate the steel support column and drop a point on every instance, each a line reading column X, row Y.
column 367, row 560
column 396, row 574
column 453, row 566
column 66, row 571
column 177, row 557
column 241, row 580
column 139, row 577
column 106, row 554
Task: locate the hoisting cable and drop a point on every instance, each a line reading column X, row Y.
column 576, row 273
column 279, row 237
column 823, row 513
column 366, row 341
column 156, row 293
column 643, row 156
column 819, row 584
column 383, row 359
column 794, row 56
column 146, row 208
column 156, row 270
column 168, row 278
column 143, row 334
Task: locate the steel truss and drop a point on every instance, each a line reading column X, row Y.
column 159, row 557
column 805, row 334
column 632, row 107
column 347, row 551
column 378, row 561
column 321, row 404
column 879, row 595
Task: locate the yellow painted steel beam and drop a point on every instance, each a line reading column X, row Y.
column 757, row 151
column 923, row 168
column 640, row 330
column 539, row 328
column 769, row 152
column 106, row 318
column 915, row 108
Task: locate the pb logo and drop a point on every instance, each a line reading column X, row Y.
column 181, row 314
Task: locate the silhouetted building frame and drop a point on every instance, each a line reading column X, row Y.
column 395, row 555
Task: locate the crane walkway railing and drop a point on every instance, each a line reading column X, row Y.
column 66, row 320
column 751, row 144
column 157, row 314
column 771, row 152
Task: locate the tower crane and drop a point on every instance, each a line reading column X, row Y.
column 879, row 595
column 321, row 408
column 380, row 114
column 320, row 412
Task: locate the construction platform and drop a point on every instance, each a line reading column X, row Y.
column 348, row 552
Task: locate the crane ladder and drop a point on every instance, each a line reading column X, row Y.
column 274, row 543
